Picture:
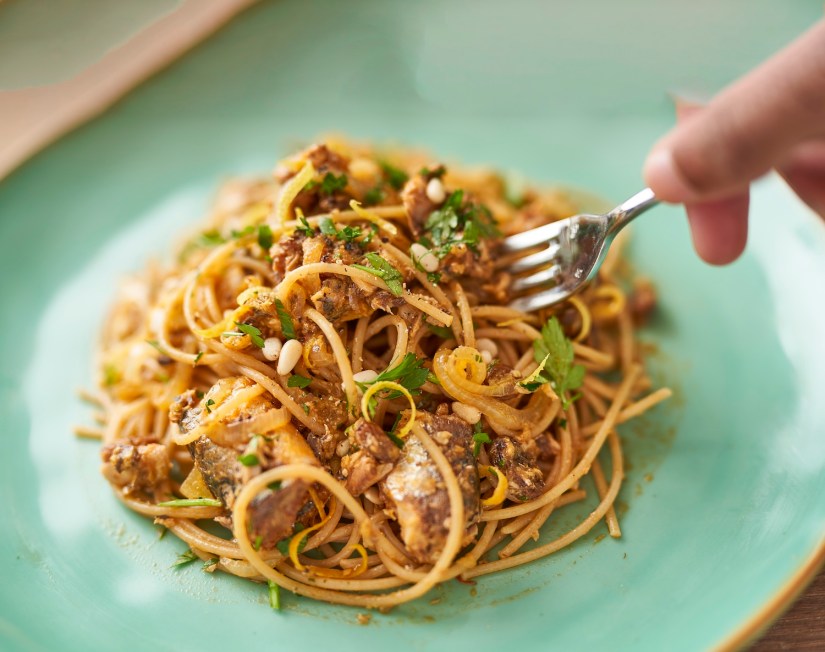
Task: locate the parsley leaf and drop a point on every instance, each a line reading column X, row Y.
column 211, row 239
column 274, row 595
column 249, row 230
column 479, row 437
column 435, row 173
column 208, row 405
column 554, row 353
column 209, row 564
column 253, row 332
column 329, row 184
column 110, row 375
column 198, row 357
column 459, row 222
column 374, row 196
column 395, row 177
column 155, row 345
column 287, row 327
column 442, row 331
column 383, row 270
column 249, row 459
column 410, row 373
column 265, row 237
column 395, row 439
column 185, row 558
column 328, row 228
column 304, row 227
column 296, row 380
column 191, row 502
column 346, row 234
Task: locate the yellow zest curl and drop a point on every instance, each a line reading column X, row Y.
column 587, row 322
column 355, row 571
column 227, row 324
column 290, row 191
column 295, row 542
column 381, row 386
column 608, row 303
column 500, row 493
column 380, row 222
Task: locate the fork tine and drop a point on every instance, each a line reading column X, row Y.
column 540, row 300
column 532, row 261
column 541, row 277
column 532, row 238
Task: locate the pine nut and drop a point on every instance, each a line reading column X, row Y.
column 291, row 352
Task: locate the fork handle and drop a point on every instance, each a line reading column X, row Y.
column 626, row 212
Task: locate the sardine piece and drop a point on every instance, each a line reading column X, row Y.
column 418, row 494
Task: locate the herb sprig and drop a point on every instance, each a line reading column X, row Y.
column 554, row 354
column 458, row 222
column 383, row 270
column 329, row 185
column 287, row 327
column 345, row 234
column 479, row 437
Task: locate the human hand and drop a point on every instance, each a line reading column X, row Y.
column 773, row 118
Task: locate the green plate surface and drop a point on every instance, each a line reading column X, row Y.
column 723, row 501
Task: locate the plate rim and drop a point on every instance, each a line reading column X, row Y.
column 775, row 607
column 741, row 636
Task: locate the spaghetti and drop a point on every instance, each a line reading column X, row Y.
column 330, row 372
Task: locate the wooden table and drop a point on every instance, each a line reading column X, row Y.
column 802, row 627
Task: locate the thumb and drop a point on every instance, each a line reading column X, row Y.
column 746, row 129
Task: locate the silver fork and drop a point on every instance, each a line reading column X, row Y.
column 564, row 255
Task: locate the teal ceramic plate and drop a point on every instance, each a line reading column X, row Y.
column 723, row 513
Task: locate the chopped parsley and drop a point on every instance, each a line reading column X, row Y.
column 185, row 558
column 479, row 437
column 346, row 234
column 208, row 405
column 275, row 486
column 249, row 459
column 191, row 502
column 155, row 345
column 303, row 226
column 287, row 327
column 198, row 357
column 383, row 270
column 327, row 227
column 395, row 176
column 296, row 380
column 435, row 173
column 305, row 407
column 211, row 238
column 253, row 332
column 374, row 196
column 209, row 564
column 442, row 331
column 395, row 439
column 410, row 373
column 458, row 222
column 249, row 230
column 283, row 544
column 264, row 237
column 329, row 185
column 110, row 375
column 257, row 542
column 274, row 595
column 554, row 353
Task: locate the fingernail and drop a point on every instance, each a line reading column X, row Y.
column 662, row 175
